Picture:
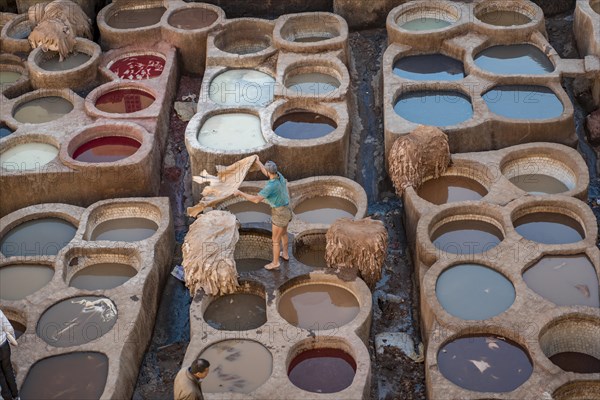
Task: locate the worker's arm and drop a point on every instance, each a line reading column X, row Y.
column 253, row 198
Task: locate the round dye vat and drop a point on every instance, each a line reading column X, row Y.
column 565, row 280
column 236, row 312
column 192, row 18
column 579, row 363
column 466, row 237
column 72, row 376
column 549, row 228
column 595, row 4
column 424, row 24
column 324, row 209
column 9, row 77
column 250, row 264
column 22, row 30
column 4, row 131
column 232, row 132
column 318, row 306
column 539, row 184
column 485, row 364
column 242, row 87
column 74, row 60
column 514, row 59
column 504, row 18
column 136, row 18
column 322, row 370
column 312, row 38
column 39, row 237
column 18, row 327
column 124, row 101
column 28, row 156
column 102, row 276
column 312, row 84
column 429, row 67
column 303, row 125
column 239, row 366
column 247, row 212
column 77, row 321
column 106, row 149
column 124, row 230
column 41, row 110
column 450, row 189
column 144, row 66
column 474, row 292
column 523, row 102
column 20, row 280
column 437, row 108
column 311, row 256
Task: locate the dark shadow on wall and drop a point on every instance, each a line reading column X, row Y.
column 269, row 9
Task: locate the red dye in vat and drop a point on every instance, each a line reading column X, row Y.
column 140, row 67
column 124, row 101
column 106, row 149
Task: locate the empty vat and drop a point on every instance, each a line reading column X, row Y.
column 18, row 327
column 466, row 236
column 124, row 229
column 485, row 363
column 309, row 249
column 303, row 125
column 242, row 87
column 20, row 280
column 76, row 321
column 41, row 110
column 138, row 67
column 524, row 102
column 9, row 77
column 192, row 18
column 4, row 131
column 242, row 365
column 451, row 189
column 514, row 59
column 322, row 370
column 429, row 67
column 232, row 132
column 52, row 62
column 565, row 280
column 573, row 361
column 437, row 108
column 102, row 276
column 318, row 306
column 28, row 156
column 71, row 376
column 549, row 228
column 503, row 18
column 135, row 18
column 106, row 149
column 247, row 212
column 236, row 312
column 312, row 83
column 38, row 237
column 124, row 101
column 324, row 209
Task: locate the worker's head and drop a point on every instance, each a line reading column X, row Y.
column 271, row 168
column 200, row 368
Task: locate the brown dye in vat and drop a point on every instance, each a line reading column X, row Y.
column 102, row 276
column 136, row 18
column 466, row 237
column 549, row 228
column 303, row 125
column 322, row 370
column 485, row 363
column 236, row 312
column 38, row 237
column 539, row 184
column 318, row 306
column 248, row 212
column 450, row 189
column 77, row 321
column 18, row 327
column 313, row 257
column 565, row 280
column 580, row 363
column 324, row 209
column 124, row 230
column 44, row 109
column 20, row 280
column 504, row 18
column 124, row 101
column 250, row 264
column 192, row 18
column 74, row 60
column 72, row 376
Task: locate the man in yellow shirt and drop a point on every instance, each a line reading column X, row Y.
column 188, row 381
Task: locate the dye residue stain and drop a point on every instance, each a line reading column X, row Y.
column 322, row 370
column 4, row 131
column 485, row 363
column 125, row 230
column 236, row 312
column 549, row 228
column 39, row 237
column 106, row 149
column 466, row 237
column 144, row 66
column 21, row 280
column 324, row 209
column 450, row 189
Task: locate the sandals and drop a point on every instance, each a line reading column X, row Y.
column 271, row 267
column 284, row 259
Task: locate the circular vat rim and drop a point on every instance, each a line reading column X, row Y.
column 262, row 251
column 228, row 28
column 567, row 107
column 552, row 342
column 28, row 260
column 437, row 8
column 183, row 7
column 13, row 141
column 102, row 130
column 94, row 95
column 332, row 67
column 285, row 39
column 576, row 389
column 301, row 194
column 105, row 14
column 7, row 63
column 82, row 45
column 299, row 242
column 472, row 60
column 529, row 10
column 13, row 23
column 133, row 53
column 432, row 52
column 67, row 95
column 246, row 286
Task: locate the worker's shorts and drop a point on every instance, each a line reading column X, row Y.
column 281, row 216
